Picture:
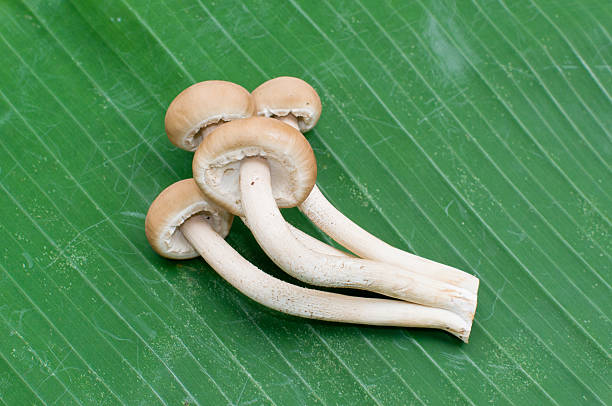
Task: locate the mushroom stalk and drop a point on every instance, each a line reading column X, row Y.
column 348, row 234
column 354, row 238
column 313, row 244
column 310, row 303
column 276, row 239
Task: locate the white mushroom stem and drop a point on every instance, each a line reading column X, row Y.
column 309, row 303
column 312, row 243
column 354, row 238
column 348, row 234
column 276, row 239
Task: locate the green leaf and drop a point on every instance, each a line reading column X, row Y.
column 476, row 134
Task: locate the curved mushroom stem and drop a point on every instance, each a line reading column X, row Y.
column 354, row 238
column 310, row 303
column 311, row 243
column 348, row 234
column 274, row 236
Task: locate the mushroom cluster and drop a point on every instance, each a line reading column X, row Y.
column 251, row 159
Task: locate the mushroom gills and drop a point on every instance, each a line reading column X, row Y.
column 296, row 103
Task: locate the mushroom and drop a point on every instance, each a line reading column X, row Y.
column 296, row 103
column 251, row 167
column 182, row 223
column 290, row 100
column 202, row 107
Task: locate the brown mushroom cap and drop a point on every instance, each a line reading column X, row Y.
column 293, row 168
column 285, row 95
column 172, row 207
column 202, row 105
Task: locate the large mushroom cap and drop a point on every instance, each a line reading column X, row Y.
column 173, row 207
column 203, row 106
column 293, row 168
column 285, row 95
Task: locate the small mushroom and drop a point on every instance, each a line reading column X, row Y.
column 290, row 100
column 202, row 107
column 296, row 103
column 182, row 223
column 252, row 167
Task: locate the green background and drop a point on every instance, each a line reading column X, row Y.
column 477, row 134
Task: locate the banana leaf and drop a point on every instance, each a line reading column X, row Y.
column 474, row 133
